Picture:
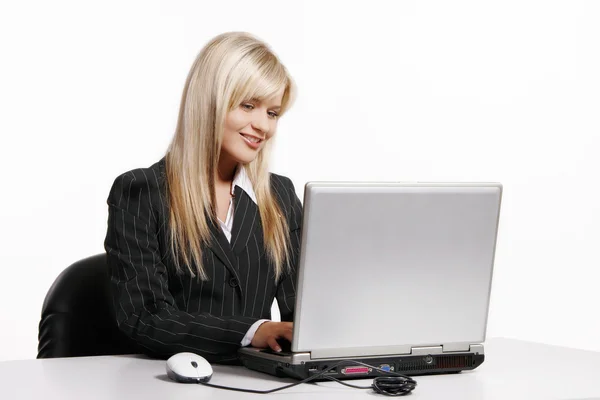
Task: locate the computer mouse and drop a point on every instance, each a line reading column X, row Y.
column 188, row 368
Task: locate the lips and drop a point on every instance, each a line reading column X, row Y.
column 251, row 139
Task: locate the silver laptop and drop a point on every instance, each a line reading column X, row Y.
column 395, row 275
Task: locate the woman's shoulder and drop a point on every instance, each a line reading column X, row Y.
column 137, row 186
column 150, row 177
column 285, row 192
column 281, row 182
column 284, row 189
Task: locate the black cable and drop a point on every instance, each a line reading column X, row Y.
column 251, row 390
column 395, row 385
column 310, row 378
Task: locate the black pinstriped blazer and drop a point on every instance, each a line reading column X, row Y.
column 166, row 312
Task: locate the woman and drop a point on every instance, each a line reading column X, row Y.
column 200, row 243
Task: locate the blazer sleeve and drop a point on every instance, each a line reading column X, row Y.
column 286, row 289
column 145, row 309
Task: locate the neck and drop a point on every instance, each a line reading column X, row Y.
column 225, row 171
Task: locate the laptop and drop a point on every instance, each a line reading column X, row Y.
column 394, row 275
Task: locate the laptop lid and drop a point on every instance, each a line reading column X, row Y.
column 386, row 267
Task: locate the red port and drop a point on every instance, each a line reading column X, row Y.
column 355, row 370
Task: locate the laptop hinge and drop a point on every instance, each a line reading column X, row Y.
column 447, row 348
column 456, row 347
column 425, row 350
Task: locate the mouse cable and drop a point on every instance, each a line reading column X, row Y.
column 394, row 385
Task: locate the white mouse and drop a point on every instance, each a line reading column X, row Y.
column 188, row 368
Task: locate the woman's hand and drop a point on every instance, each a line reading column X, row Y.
column 268, row 333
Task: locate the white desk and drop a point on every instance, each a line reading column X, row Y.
column 512, row 370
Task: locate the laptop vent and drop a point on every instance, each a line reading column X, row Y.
column 438, row 362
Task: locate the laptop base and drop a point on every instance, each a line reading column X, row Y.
column 406, row 365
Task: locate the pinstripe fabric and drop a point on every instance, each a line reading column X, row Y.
column 167, row 312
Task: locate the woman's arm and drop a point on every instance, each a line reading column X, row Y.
column 145, row 309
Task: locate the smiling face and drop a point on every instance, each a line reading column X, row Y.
column 248, row 127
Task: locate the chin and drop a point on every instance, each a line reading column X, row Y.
column 245, row 157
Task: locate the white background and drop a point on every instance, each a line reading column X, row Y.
column 504, row 91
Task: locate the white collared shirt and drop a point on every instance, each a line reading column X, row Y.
column 242, row 180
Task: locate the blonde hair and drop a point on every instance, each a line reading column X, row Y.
column 233, row 67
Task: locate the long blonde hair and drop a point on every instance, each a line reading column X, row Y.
column 233, row 67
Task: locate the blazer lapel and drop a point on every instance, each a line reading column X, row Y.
column 246, row 219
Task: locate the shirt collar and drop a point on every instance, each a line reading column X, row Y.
column 242, row 180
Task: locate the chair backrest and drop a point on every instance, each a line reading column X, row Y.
column 77, row 315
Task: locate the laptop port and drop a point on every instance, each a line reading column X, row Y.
column 356, row 370
column 386, row 367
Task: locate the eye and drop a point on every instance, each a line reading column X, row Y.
column 273, row 114
column 247, row 106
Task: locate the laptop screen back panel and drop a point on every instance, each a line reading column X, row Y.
column 386, row 267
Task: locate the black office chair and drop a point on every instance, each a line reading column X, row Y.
column 77, row 315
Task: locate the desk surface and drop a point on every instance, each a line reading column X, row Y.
column 513, row 370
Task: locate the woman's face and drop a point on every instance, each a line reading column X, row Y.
column 248, row 127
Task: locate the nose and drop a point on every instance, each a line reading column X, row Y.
column 261, row 123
